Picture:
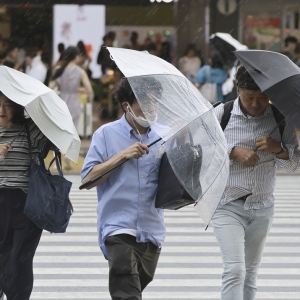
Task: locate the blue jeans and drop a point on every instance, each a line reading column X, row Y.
column 241, row 235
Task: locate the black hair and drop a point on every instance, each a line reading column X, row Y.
column 12, row 46
column 244, row 80
column 151, row 47
column 290, row 39
column 189, row 48
column 9, row 64
column 80, row 46
column 18, row 117
column 111, row 35
column 31, row 54
column 216, row 60
column 124, row 93
column 61, row 47
column 69, row 54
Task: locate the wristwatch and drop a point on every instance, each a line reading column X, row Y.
column 283, row 149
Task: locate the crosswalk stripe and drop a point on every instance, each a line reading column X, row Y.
column 71, row 266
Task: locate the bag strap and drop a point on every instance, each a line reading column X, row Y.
column 28, row 139
column 57, row 154
column 280, row 119
column 207, row 75
column 228, row 106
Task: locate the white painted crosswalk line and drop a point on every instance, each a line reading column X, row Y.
column 71, row 266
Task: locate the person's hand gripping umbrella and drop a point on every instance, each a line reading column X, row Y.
column 186, row 123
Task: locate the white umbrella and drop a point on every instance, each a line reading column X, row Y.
column 225, row 44
column 47, row 110
column 230, row 40
column 185, row 117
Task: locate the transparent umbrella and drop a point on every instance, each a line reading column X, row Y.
column 180, row 115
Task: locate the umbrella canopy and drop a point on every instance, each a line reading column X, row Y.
column 225, row 44
column 179, row 114
column 47, row 110
column 278, row 77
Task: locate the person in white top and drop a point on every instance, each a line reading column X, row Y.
column 35, row 67
column 190, row 63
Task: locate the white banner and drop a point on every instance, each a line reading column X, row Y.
column 74, row 23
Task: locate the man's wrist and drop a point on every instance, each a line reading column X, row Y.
column 231, row 153
column 281, row 150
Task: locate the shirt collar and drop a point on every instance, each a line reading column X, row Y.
column 238, row 111
column 128, row 129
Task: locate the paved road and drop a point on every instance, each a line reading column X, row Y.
column 70, row 266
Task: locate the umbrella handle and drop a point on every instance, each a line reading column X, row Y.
column 91, row 181
column 95, row 179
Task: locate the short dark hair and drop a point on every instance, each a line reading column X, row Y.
column 290, row 39
column 244, row 80
column 216, row 59
column 31, row 54
column 18, row 117
column 189, row 48
column 124, row 93
column 61, row 47
column 12, row 46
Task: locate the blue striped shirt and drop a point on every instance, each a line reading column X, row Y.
column 259, row 180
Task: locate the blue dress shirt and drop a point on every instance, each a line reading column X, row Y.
column 126, row 199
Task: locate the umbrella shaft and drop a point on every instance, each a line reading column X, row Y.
column 90, row 182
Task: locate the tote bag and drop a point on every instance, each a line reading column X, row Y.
column 47, row 203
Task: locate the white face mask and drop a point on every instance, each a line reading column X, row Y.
column 140, row 120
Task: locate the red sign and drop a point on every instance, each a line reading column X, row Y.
column 262, row 22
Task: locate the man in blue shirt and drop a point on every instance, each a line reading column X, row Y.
column 130, row 229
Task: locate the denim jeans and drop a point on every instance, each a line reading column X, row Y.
column 241, row 235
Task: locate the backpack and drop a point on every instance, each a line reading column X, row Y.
column 228, row 106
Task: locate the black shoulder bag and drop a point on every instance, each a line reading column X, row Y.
column 47, row 203
column 171, row 194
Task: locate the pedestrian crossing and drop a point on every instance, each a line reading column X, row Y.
column 71, row 266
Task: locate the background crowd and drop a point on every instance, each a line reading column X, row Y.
column 37, row 63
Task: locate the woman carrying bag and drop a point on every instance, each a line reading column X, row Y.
column 214, row 76
column 19, row 237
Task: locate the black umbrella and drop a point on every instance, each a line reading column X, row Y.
column 278, row 77
column 225, row 44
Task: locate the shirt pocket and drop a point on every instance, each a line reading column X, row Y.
column 154, row 169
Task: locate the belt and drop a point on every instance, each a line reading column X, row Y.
column 244, row 198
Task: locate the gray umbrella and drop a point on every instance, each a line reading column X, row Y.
column 278, row 77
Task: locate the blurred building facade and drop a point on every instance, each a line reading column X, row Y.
column 260, row 24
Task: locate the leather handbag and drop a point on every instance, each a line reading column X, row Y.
column 171, row 194
column 47, row 203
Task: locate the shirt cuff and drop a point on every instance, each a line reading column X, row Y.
column 229, row 149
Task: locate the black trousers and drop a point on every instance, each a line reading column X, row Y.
column 131, row 266
column 19, row 238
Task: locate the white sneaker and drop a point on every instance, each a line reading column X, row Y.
column 1, row 295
